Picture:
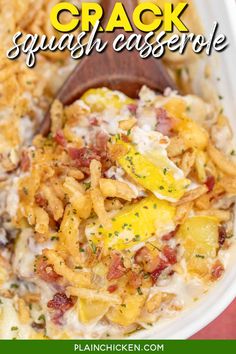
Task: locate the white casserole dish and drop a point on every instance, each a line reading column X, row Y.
column 223, row 293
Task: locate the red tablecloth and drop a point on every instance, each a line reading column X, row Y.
column 224, row 327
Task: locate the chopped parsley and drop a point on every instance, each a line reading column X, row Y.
column 165, row 170
column 14, row 328
column 94, row 247
column 139, row 290
column 179, row 72
column 87, row 185
column 199, row 256
column 137, row 238
column 25, row 190
column 41, row 318
column 146, row 275
column 54, row 238
column 14, row 286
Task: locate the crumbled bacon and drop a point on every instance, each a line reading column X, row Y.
column 40, row 200
column 98, row 151
column 112, row 288
column 25, row 161
column 144, row 258
column 83, row 156
column 157, row 272
column 170, row 235
column 94, row 121
column 116, row 268
column 101, row 141
column 60, row 138
column 101, row 149
column 45, row 271
column 210, row 183
column 125, row 138
column 132, row 108
column 165, row 124
column 170, row 254
column 60, row 303
column 217, row 270
column 134, row 280
column 222, row 235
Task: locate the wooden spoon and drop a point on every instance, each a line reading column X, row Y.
column 125, row 71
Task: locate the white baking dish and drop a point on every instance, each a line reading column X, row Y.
column 224, row 292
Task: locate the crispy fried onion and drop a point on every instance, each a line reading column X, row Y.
column 81, row 279
column 193, row 195
column 221, row 161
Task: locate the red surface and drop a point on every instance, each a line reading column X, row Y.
column 224, row 327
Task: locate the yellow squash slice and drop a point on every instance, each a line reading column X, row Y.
column 199, row 237
column 135, row 223
column 155, row 172
column 128, row 312
column 102, row 99
column 91, row 311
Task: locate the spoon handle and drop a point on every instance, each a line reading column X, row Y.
column 122, row 70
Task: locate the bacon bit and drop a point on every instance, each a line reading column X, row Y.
column 83, row 156
column 170, row 235
column 132, row 108
column 61, row 303
column 134, row 280
column 125, row 138
column 101, row 149
column 94, row 121
column 25, row 161
column 60, row 138
column 101, row 141
column 170, row 254
column 40, row 200
column 116, row 268
column 210, row 183
column 45, row 271
column 112, row 288
column 144, row 258
column 157, row 272
column 222, row 235
column 217, row 270
column 164, row 123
